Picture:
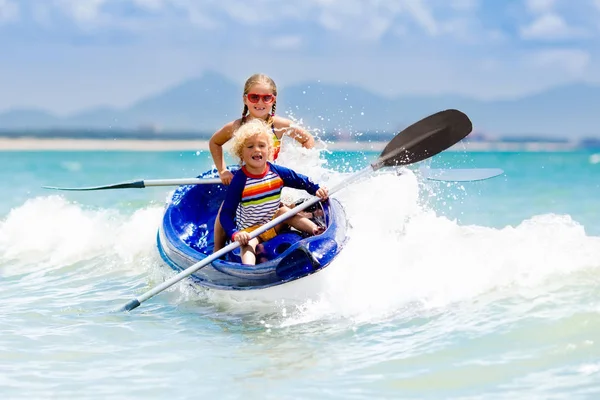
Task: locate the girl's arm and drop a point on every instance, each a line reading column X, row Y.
column 215, row 144
column 297, row 133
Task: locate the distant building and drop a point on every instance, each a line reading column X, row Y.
column 533, row 139
column 149, row 128
column 590, row 143
column 480, row 136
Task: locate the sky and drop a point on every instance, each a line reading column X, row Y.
column 68, row 55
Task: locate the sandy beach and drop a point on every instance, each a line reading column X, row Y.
column 58, row 144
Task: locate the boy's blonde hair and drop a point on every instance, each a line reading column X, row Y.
column 252, row 128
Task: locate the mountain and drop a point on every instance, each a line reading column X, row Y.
column 209, row 101
column 27, row 118
column 206, row 103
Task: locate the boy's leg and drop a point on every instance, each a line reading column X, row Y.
column 299, row 222
column 305, row 225
column 248, row 252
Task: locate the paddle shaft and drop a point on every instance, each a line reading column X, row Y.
column 179, row 182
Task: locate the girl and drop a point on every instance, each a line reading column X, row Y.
column 260, row 102
column 253, row 196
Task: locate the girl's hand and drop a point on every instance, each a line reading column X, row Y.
column 307, row 141
column 322, row 193
column 242, row 237
column 299, row 134
column 225, row 176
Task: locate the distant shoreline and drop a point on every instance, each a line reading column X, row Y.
column 62, row 144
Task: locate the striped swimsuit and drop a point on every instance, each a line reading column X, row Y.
column 260, row 200
column 253, row 200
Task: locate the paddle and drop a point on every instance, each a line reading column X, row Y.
column 455, row 175
column 459, row 174
column 143, row 184
column 419, row 141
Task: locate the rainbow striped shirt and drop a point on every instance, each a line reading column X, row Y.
column 253, row 199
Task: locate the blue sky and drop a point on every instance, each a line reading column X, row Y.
column 67, row 55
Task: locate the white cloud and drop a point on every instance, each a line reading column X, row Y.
column 459, row 27
column 559, row 19
column 286, row 42
column 571, row 61
column 196, row 15
column 366, row 20
column 82, row 10
column 40, row 12
column 422, row 15
column 471, row 41
column 330, row 21
column 371, row 19
column 336, row 16
column 152, row 5
column 9, row 11
column 464, row 5
column 248, row 12
column 549, row 26
column 465, row 31
column 540, row 6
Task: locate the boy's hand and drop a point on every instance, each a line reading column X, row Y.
column 242, row 237
column 322, row 193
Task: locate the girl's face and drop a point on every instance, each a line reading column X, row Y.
column 255, row 152
column 259, row 100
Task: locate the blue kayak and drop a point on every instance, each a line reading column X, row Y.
column 185, row 237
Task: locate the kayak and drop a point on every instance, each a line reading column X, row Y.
column 185, row 237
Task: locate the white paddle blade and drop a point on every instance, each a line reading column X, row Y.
column 460, row 175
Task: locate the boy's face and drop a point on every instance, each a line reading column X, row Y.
column 255, row 152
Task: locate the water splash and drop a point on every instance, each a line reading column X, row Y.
column 50, row 232
column 401, row 254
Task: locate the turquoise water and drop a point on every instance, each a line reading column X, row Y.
column 446, row 290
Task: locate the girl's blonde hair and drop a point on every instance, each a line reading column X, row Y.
column 256, row 79
column 252, row 128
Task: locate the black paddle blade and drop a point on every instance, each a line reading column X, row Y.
column 425, row 138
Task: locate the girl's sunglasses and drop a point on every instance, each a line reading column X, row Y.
column 266, row 98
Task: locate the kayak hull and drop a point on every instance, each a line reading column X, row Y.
column 185, row 238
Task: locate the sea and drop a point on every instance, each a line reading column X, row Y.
column 445, row 290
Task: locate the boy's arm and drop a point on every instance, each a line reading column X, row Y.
column 295, row 180
column 230, row 204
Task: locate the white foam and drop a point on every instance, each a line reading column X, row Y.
column 401, row 254
column 49, row 232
